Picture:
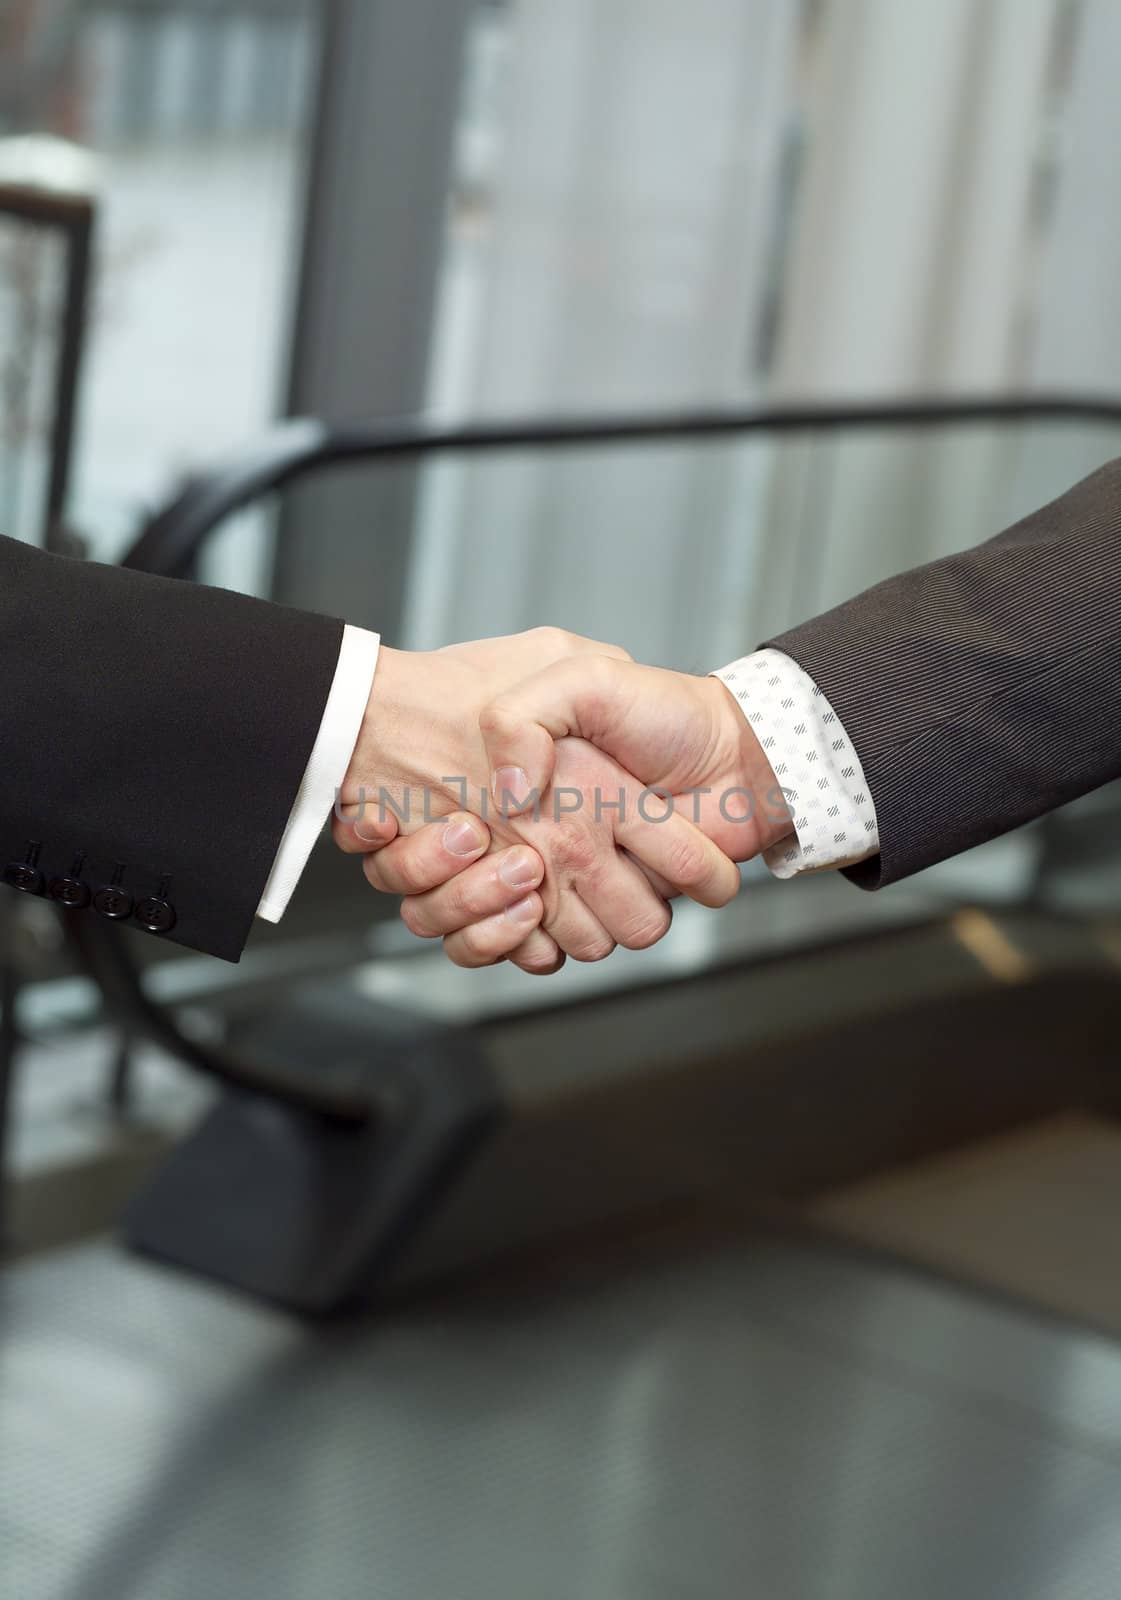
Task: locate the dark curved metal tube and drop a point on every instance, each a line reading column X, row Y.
column 110, row 964
column 171, row 540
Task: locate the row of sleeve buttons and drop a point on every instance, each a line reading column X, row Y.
column 155, row 913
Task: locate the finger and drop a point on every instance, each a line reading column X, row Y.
column 677, row 852
column 480, row 890
column 483, row 943
column 418, row 862
column 362, row 828
column 589, row 696
column 654, row 879
column 623, row 902
column 538, row 955
column 577, row 930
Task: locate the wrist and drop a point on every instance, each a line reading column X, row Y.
column 750, row 760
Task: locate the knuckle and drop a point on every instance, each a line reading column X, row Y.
column 479, row 941
column 458, row 900
column 538, row 962
column 497, row 719
column 599, row 684
column 582, row 942
column 686, row 863
column 464, row 899
column 647, row 930
column 557, row 641
column 412, row 915
column 574, row 850
column 458, row 952
column 593, row 947
column 409, row 870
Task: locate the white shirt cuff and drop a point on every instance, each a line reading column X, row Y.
column 814, row 761
column 326, row 768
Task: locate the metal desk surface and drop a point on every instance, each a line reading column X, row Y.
column 750, row 1417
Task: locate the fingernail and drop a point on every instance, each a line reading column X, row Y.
column 510, row 784
column 520, row 871
column 370, row 837
column 524, row 910
column 463, row 838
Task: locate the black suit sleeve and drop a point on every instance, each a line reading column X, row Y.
column 154, row 736
column 982, row 690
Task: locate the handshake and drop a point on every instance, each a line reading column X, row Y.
column 543, row 796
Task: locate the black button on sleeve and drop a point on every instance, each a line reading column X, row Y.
column 20, row 875
column 113, row 902
column 157, row 916
column 70, row 892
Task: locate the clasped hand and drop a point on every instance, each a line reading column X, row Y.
column 543, row 795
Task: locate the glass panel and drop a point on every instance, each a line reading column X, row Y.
column 695, row 202
column 197, row 113
column 32, row 268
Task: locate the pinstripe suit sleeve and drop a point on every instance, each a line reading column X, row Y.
column 982, row 690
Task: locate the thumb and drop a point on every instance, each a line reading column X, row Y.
column 588, row 696
column 361, row 829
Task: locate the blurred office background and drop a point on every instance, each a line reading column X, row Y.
column 364, row 209
column 599, row 206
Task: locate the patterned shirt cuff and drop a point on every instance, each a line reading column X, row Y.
column 820, row 773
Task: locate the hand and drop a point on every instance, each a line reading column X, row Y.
column 590, row 828
column 683, row 734
column 421, row 732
